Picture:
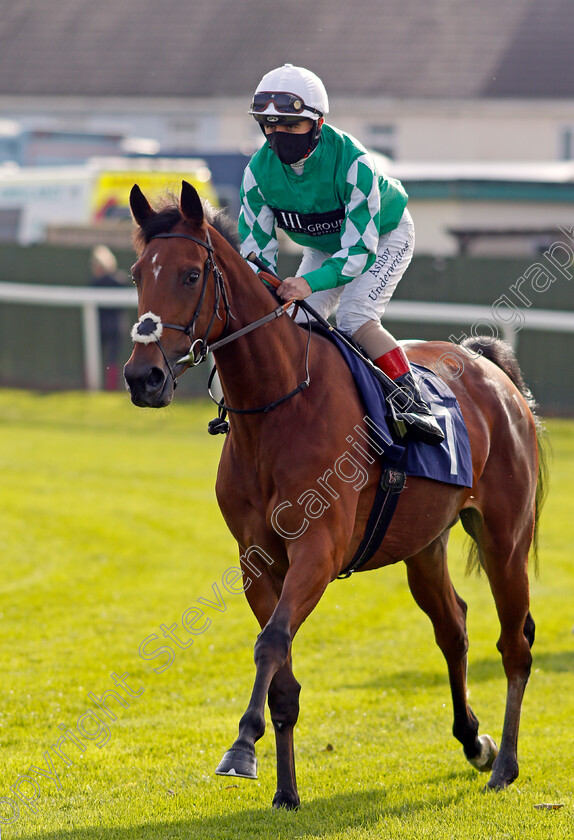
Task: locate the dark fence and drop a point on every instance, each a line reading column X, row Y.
column 41, row 347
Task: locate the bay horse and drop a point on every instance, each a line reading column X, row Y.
column 292, row 406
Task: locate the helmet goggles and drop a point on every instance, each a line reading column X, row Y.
column 276, row 119
column 288, row 104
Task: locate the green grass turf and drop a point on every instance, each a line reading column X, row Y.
column 109, row 528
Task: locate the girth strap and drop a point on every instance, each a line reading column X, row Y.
column 390, row 487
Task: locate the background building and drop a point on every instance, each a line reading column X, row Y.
column 420, row 81
column 471, row 103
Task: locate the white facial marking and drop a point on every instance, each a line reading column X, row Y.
column 156, row 268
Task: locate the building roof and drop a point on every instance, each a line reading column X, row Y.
column 206, row 48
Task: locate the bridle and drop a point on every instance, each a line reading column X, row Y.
column 149, row 328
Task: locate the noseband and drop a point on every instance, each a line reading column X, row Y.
column 150, row 327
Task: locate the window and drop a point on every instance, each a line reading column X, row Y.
column 567, row 143
column 10, row 219
column 382, row 138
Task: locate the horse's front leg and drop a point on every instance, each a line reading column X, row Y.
column 304, row 584
column 262, row 593
column 271, row 651
column 284, row 706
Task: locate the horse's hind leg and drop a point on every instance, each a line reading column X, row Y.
column 432, row 589
column 504, row 556
column 510, row 590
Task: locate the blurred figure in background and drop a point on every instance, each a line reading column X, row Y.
column 104, row 273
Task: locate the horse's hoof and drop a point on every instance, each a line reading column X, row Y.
column 488, row 752
column 283, row 799
column 503, row 774
column 238, row 763
column 493, row 787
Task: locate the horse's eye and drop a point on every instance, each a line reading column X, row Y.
column 134, row 274
column 191, row 278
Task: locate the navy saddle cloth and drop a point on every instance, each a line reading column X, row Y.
column 450, row 461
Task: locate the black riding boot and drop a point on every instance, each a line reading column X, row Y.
column 411, row 414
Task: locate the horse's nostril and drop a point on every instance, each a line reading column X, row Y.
column 155, row 379
column 148, row 385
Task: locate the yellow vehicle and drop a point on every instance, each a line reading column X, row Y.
column 156, row 177
column 35, row 198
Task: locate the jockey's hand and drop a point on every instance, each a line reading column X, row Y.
column 294, row 288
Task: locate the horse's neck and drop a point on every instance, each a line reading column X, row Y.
column 268, row 362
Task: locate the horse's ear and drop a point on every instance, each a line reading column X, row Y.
column 190, row 204
column 140, row 206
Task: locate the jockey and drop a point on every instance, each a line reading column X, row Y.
column 324, row 189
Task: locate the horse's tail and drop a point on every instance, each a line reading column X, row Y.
column 502, row 355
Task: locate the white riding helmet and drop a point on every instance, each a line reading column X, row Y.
column 289, row 92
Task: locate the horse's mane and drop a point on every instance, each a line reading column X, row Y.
column 169, row 215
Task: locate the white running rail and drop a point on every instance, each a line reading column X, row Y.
column 89, row 299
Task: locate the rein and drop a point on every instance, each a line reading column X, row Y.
column 270, row 406
column 149, row 328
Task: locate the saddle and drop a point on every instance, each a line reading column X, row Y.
column 448, row 462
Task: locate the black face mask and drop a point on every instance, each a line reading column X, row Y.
column 290, row 148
